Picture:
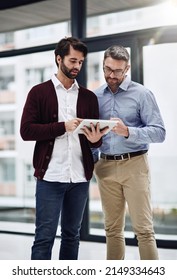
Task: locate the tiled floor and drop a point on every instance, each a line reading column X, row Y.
column 17, row 247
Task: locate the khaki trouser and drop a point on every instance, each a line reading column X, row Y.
column 120, row 182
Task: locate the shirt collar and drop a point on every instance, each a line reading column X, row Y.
column 57, row 83
column 125, row 84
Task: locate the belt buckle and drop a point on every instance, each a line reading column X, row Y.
column 118, row 157
column 123, row 158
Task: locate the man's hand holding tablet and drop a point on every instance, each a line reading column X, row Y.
column 103, row 125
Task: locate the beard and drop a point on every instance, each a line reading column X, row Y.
column 69, row 73
column 113, row 81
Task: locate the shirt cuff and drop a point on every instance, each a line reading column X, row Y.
column 132, row 134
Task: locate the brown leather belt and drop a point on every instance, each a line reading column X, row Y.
column 122, row 156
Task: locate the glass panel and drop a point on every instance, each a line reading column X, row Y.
column 160, row 75
column 42, row 35
column 7, row 177
column 162, row 157
column 7, row 131
column 17, row 184
column 136, row 19
column 7, row 41
column 95, row 75
column 7, row 85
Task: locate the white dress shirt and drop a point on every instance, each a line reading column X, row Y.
column 66, row 163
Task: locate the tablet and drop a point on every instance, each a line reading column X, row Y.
column 103, row 123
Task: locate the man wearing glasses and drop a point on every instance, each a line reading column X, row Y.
column 122, row 172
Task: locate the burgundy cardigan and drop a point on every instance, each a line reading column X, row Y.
column 40, row 123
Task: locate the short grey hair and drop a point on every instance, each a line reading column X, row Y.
column 117, row 52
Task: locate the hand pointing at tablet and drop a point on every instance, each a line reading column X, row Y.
column 72, row 124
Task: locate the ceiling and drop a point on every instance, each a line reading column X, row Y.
column 20, row 14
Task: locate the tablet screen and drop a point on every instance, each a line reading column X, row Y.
column 103, row 123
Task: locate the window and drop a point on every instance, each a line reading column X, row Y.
column 135, row 19
column 7, row 177
column 29, row 184
column 37, row 75
column 7, row 84
column 94, row 70
column 7, row 131
column 163, row 157
column 155, row 60
column 6, row 41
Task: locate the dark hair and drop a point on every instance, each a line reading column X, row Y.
column 117, row 52
column 63, row 47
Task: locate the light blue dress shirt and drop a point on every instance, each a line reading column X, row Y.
column 137, row 107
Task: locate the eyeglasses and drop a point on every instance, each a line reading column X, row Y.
column 117, row 72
